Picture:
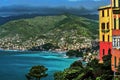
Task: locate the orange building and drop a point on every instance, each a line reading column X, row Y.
column 116, row 34
column 109, row 32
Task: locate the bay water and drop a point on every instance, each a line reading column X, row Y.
column 15, row 64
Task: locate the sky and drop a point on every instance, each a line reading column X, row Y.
column 13, row 6
column 54, row 3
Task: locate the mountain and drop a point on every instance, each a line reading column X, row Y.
column 4, row 20
column 64, row 31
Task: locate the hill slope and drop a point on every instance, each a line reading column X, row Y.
column 62, row 30
column 4, row 20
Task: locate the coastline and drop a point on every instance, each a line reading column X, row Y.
column 53, row 51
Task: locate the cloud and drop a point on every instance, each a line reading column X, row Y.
column 18, row 10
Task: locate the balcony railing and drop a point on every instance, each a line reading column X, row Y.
column 116, row 10
column 116, row 47
column 105, row 31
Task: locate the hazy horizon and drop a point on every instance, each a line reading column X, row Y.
column 18, row 7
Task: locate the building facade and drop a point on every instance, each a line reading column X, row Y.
column 116, row 34
column 105, row 31
column 109, row 32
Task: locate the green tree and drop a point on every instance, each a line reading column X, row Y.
column 37, row 72
column 48, row 46
column 74, row 53
column 58, row 75
column 107, row 73
column 119, row 68
column 76, row 64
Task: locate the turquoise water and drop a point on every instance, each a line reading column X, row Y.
column 14, row 65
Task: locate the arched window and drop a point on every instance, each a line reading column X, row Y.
column 109, row 51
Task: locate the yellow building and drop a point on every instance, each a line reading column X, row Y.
column 105, row 30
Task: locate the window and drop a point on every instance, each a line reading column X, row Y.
column 103, row 25
column 119, row 23
column 119, row 42
column 109, row 51
column 114, row 42
column 119, row 62
column 102, row 13
column 115, row 61
column 103, row 38
column 108, row 25
column 114, row 23
column 103, row 52
column 119, row 3
column 108, row 38
column 114, row 3
column 108, row 12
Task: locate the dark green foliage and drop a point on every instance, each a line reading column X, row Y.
column 94, row 63
column 92, row 71
column 107, row 73
column 107, row 61
column 37, row 72
column 46, row 47
column 58, row 75
column 88, row 75
column 119, row 68
column 49, row 46
column 76, row 64
column 74, row 53
column 70, row 74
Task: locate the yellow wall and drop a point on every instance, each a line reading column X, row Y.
column 105, row 20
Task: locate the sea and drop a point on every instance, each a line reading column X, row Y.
column 14, row 65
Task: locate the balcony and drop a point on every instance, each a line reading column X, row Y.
column 105, row 31
column 116, row 42
column 117, row 47
column 116, row 10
